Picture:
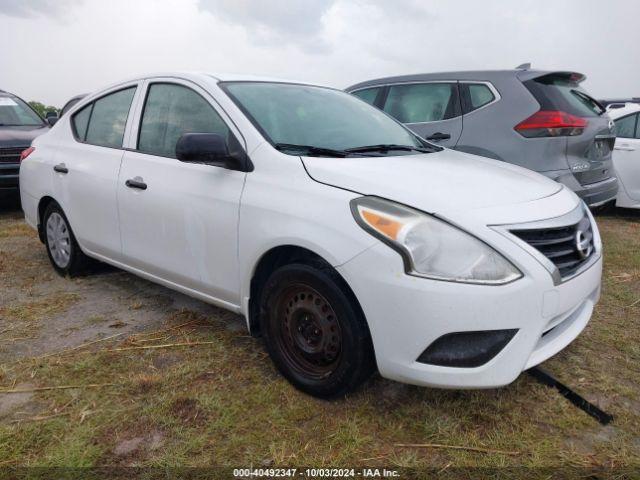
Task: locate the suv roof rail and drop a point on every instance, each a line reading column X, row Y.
column 524, row 66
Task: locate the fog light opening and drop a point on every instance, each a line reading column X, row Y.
column 466, row 349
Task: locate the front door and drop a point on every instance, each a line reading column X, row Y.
column 179, row 220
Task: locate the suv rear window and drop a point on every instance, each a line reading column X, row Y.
column 559, row 92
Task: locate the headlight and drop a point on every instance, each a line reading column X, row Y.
column 430, row 247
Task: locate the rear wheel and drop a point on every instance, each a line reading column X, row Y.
column 63, row 250
column 315, row 334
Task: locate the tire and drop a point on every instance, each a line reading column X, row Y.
column 314, row 331
column 65, row 254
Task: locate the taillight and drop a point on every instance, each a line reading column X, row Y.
column 26, row 153
column 551, row 123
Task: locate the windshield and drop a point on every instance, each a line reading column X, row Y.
column 14, row 112
column 322, row 120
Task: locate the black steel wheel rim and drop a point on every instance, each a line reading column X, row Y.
column 307, row 331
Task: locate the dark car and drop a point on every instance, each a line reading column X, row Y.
column 541, row 120
column 19, row 125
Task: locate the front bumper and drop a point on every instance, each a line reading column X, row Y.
column 9, row 174
column 406, row 314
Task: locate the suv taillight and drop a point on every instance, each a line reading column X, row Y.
column 551, row 123
column 26, row 153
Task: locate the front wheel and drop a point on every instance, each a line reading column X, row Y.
column 315, row 334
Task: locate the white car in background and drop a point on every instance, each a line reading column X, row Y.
column 344, row 239
column 626, row 153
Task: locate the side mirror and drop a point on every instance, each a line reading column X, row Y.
column 209, row 149
column 52, row 121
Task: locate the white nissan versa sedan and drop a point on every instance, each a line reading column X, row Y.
column 345, row 240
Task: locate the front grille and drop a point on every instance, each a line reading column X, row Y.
column 567, row 247
column 11, row 155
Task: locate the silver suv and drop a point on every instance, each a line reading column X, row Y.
column 540, row 120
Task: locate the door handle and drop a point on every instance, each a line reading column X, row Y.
column 136, row 183
column 439, row 136
column 61, row 168
column 626, row 148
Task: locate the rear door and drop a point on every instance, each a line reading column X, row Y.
column 86, row 170
column 430, row 109
column 179, row 220
column 589, row 153
column 626, row 155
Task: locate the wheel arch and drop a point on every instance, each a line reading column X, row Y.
column 44, row 202
column 279, row 256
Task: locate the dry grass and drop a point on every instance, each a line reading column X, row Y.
column 224, row 404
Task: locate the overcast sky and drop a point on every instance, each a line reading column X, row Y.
column 54, row 49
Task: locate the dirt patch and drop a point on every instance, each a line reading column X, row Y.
column 10, row 402
column 188, row 411
column 138, row 446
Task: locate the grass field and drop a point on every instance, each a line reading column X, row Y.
column 220, row 401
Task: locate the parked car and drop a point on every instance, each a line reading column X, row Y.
column 626, row 154
column 19, row 125
column 72, row 101
column 536, row 119
column 344, row 239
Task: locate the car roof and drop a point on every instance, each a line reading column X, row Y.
column 477, row 75
column 219, row 77
column 623, row 111
column 193, row 76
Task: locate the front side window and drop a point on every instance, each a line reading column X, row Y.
column 626, row 126
column 171, row 110
column 369, row 95
column 302, row 115
column 107, row 118
column 15, row 112
column 479, row 95
column 418, row 103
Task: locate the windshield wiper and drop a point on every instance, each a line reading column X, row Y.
column 310, row 150
column 386, row 147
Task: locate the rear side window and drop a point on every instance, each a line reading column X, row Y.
column 479, row 95
column 81, row 121
column 171, row 110
column 426, row 102
column 559, row 92
column 369, row 95
column 102, row 122
column 627, row 127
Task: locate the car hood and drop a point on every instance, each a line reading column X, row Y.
column 20, row 136
column 434, row 182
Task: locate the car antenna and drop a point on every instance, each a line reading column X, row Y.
column 524, row 66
